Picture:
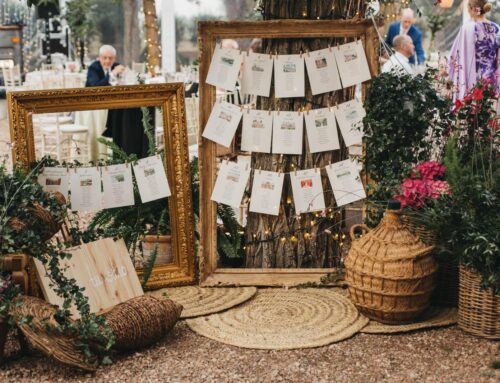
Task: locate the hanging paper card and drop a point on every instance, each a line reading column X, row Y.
column 350, row 116
column 151, row 179
column 346, row 182
column 55, row 179
column 224, row 68
column 289, row 78
column 307, row 191
column 322, row 71
column 222, row 123
column 352, row 63
column 230, row 184
column 321, row 130
column 85, row 189
column 266, row 192
column 257, row 73
column 288, row 129
column 117, row 186
column 257, row 130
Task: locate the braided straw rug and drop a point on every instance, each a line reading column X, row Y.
column 198, row 301
column 433, row 317
column 279, row 319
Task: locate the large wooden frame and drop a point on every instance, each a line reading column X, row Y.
column 170, row 97
column 208, row 34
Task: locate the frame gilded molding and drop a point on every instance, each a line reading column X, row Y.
column 170, row 97
column 208, row 34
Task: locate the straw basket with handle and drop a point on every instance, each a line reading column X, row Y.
column 390, row 272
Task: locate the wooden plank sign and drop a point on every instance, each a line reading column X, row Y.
column 103, row 268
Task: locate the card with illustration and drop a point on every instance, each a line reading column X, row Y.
column 352, row 63
column 289, row 80
column 55, row 180
column 231, row 182
column 307, row 191
column 257, row 131
column 266, row 192
column 322, row 71
column 350, row 116
column 346, row 182
column 117, row 186
column 85, row 187
column 224, row 68
column 222, row 123
column 151, row 179
column 321, row 130
column 288, row 128
column 257, row 73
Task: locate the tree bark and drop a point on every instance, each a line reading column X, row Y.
column 291, row 241
column 152, row 35
column 128, row 20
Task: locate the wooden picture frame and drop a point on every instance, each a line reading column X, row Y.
column 170, row 97
column 209, row 32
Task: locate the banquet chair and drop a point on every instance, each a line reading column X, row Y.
column 192, row 117
column 64, row 140
column 12, row 77
column 51, row 67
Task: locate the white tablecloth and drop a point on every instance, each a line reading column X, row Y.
column 95, row 120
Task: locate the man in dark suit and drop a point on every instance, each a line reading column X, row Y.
column 104, row 71
column 406, row 27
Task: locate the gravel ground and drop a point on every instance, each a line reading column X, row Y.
column 440, row 355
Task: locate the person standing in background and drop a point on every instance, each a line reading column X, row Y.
column 405, row 27
column 104, row 70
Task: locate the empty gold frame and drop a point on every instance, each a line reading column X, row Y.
column 170, row 97
column 209, row 32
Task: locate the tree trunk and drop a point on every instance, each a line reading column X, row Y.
column 152, row 35
column 299, row 241
column 131, row 33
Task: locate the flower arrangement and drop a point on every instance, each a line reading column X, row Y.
column 425, row 183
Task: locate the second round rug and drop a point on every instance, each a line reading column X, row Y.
column 279, row 319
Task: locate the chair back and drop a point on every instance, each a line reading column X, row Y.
column 12, row 77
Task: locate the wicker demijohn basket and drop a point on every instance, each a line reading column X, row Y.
column 478, row 309
column 390, row 272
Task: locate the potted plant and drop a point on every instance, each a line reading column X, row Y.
column 466, row 222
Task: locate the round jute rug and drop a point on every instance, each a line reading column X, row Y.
column 198, row 301
column 433, row 317
column 279, row 319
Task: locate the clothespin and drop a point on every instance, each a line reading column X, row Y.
column 220, row 44
column 248, row 53
column 248, row 110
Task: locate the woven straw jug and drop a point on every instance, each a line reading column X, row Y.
column 390, row 272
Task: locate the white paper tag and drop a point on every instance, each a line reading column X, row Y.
column 322, row 71
column 257, row 131
column 257, row 73
column 321, row 130
column 288, row 128
column 231, row 183
column 307, row 191
column 85, row 186
column 55, row 179
column 222, row 123
column 224, row 68
column 151, row 179
column 117, row 186
column 352, row 63
column 350, row 116
column 346, row 182
column 266, row 192
column 289, row 78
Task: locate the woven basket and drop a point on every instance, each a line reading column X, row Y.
column 142, row 321
column 390, row 272
column 446, row 292
column 478, row 310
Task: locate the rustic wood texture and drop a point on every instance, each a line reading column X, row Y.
column 103, row 268
column 152, row 35
column 309, row 35
column 170, row 97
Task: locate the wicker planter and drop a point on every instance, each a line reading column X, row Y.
column 390, row 272
column 164, row 242
column 446, row 292
column 478, row 310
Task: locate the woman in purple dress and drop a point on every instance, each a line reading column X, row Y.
column 475, row 53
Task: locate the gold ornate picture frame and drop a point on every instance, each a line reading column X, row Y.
column 170, row 97
column 209, row 32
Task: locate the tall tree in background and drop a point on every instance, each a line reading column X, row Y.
column 305, row 243
column 80, row 20
column 238, row 9
column 153, row 46
column 131, row 33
